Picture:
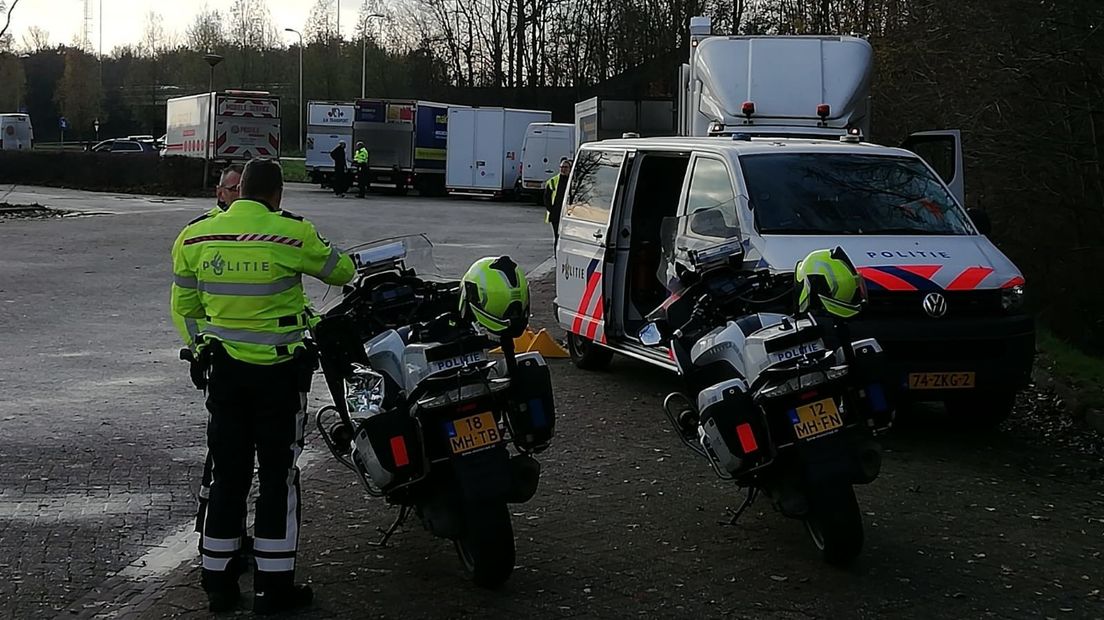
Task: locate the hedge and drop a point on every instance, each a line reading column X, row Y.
column 105, row 172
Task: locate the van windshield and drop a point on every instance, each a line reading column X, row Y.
column 849, row 194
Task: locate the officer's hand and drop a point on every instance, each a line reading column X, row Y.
column 198, row 376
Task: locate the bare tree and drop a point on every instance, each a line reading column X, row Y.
column 321, row 24
column 153, row 36
column 206, row 32
column 6, row 13
column 36, row 40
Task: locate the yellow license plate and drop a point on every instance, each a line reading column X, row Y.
column 473, row 432
column 816, row 418
column 940, row 380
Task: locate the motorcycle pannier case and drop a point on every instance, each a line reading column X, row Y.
column 732, row 428
column 876, row 389
column 532, row 411
column 389, row 449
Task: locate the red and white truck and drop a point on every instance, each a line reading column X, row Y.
column 226, row 126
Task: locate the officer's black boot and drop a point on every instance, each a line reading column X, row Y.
column 222, row 591
column 280, row 600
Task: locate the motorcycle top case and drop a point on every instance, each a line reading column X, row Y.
column 532, row 412
column 390, row 449
column 731, row 427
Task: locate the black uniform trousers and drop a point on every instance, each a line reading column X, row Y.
column 254, row 410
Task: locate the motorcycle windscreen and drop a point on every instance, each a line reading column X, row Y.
column 703, row 238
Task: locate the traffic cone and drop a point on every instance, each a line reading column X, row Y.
column 540, row 342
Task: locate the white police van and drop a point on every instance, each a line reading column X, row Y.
column 945, row 303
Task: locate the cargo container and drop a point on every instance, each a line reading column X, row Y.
column 224, row 126
column 406, row 141
column 328, row 124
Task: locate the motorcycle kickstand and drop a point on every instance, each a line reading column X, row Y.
column 752, row 494
column 404, row 512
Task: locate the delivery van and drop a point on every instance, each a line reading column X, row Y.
column 545, row 145
column 16, row 133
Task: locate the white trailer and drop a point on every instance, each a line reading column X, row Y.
column 814, row 86
column 16, row 133
column 328, row 124
column 484, row 149
column 545, row 145
column 224, row 126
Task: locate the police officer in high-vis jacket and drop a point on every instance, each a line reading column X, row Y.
column 554, row 190
column 237, row 293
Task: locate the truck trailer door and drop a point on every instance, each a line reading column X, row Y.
column 943, row 152
column 584, row 239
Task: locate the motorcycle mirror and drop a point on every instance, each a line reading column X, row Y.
column 650, row 336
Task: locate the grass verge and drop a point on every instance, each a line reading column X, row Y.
column 1084, row 372
column 295, row 171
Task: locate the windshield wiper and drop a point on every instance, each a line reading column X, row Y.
column 905, row 230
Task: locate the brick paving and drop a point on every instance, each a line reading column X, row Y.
column 626, row 524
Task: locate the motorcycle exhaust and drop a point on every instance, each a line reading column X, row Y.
column 525, row 477
column 870, row 462
column 681, row 418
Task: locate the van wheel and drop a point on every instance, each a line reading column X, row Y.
column 984, row 411
column 587, row 355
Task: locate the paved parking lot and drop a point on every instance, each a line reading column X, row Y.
column 102, row 448
column 102, row 431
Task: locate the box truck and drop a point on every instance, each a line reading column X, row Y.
column 545, row 145
column 406, row 141
column 16, row 133
column 484, row 154
column 602, row 119
column 812, row 86
column 328, row 124
column 228, row 126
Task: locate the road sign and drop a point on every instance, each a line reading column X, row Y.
column 63, row 123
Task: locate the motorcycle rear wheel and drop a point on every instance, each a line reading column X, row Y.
column 486, row 550
column 835, row 525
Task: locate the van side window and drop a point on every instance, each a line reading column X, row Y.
column 593, row 185
column 711, row 187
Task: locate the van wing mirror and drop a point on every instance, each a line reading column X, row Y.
column 942, row 150
column 650, row 335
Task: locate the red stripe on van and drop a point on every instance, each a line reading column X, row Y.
column 969, row 279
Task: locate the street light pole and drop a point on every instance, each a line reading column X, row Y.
column 302, row 109
column 211, row 59
column 364, row 51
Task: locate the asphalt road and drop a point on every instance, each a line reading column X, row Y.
column 102, row 432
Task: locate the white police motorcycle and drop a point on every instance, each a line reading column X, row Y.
column 780, row 403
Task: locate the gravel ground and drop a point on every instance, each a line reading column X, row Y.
column 29, row 212
column 626, row 523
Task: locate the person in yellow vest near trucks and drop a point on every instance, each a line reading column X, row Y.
column 554, row 190
column 238, row 300
column 360, row 159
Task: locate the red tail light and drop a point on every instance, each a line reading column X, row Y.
column 824, row 111
column 748, row 108
column 747, row 438
column 398, row 451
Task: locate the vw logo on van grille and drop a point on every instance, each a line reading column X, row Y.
column 935, row 305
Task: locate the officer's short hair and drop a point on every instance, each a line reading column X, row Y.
column 228, row 170
column 261, row 178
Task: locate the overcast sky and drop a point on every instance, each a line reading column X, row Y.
column 124, row 20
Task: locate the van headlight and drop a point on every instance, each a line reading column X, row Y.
column 1012, row 298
